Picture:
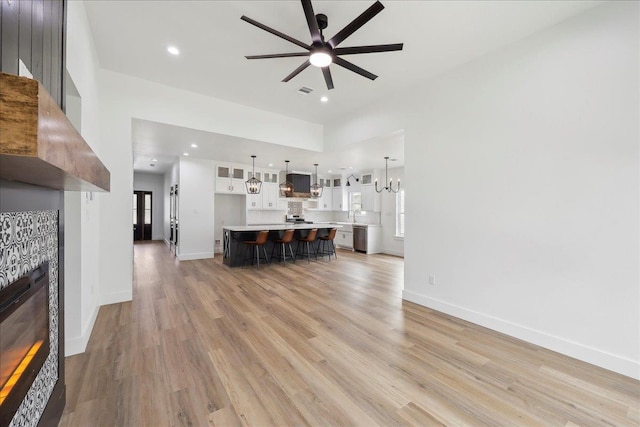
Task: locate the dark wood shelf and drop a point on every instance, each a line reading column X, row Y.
column 38, row 143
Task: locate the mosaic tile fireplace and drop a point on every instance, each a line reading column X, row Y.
column 29, row 240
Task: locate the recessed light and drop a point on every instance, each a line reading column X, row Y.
column 328, row 171
column 270, row 164
column 350, row 167
column 185, row 154
column 194, row 145
column 154, row 160
column 173, row 50
column 324, row 99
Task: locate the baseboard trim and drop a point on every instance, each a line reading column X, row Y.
column 393, row 252
column 576, row 350
column 116, row 297
column 190, row 257
column 79, row 344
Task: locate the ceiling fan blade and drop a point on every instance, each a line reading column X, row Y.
column 354, row 25
column 311, row 22
column 297, row 71
column 349, row 66
column 327, row 77
column 275, row 32
column 367, row 49
column 277, row 55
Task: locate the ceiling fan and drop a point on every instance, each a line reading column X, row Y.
column 322, row 53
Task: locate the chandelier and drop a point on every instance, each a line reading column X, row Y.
column 316, row 190
column 389, row 187
column 286, row 188
column 253, row 184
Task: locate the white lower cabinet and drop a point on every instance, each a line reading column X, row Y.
column 344, row 237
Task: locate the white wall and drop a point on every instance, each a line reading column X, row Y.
column 82, row 210
column 522, row 187
column 124, row 98
column 391, row 244
column 230, row 209
column 154, row 183
column 196, row 209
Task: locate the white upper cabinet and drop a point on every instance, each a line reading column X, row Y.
column 230, row 178
column 325, row 202
column 370, row 198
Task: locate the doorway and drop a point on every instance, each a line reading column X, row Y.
column 142, row 215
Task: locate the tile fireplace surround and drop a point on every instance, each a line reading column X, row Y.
column 27, row 239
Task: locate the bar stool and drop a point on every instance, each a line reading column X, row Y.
column 258, row 243
column 311, row 237
column 286, row 239
column 328, row 240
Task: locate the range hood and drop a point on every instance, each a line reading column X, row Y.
column 301, row 185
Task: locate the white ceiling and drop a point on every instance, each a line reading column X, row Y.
column 131, row 38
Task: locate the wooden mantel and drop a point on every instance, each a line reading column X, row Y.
column 39, row 145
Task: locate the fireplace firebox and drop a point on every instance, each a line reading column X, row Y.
column 24, row 337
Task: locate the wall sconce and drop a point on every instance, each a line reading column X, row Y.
column 352, row 176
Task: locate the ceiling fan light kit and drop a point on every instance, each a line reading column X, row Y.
column 323, row 53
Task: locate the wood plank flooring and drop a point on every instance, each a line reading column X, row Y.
column 326, row 343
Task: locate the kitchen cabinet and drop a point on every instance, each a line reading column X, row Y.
column 268, row 197
column 254, row 201
column 367, row 197
column 338, row 202
column 271, row 196
column 325, row 202
column 344, row 237
column 366, row 178
column 230, row 178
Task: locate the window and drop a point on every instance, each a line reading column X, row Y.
column 400, row 213
column 147, row 208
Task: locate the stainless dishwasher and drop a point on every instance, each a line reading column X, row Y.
column 360, row 238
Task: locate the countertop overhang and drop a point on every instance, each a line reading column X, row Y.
column 271, row 227
column 38, row 143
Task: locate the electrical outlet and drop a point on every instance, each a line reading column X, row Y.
column 432, row 280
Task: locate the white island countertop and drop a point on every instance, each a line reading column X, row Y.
column 270, row 227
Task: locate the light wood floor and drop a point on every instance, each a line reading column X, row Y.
column 317, row 344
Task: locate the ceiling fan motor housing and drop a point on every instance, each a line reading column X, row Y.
column 322, row 20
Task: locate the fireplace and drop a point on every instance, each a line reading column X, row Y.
column 24, row 337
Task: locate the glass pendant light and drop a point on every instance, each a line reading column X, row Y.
column 253, row 184
column 389, row 187
column 316, row 190
column 286, row 188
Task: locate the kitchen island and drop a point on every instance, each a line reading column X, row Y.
column 234, row 236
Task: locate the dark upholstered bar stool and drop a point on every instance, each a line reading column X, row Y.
column 327, row 247
column 286, row 239
column 308, row 242
column 258, row 243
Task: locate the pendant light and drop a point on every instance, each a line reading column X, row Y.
column 316, row 190
column 389, row 188
column 286, row 188
column 253, row 184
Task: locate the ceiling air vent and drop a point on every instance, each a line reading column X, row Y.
column 305, row 90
